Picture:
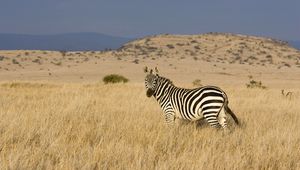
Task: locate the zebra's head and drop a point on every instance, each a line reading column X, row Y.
column 150, row 81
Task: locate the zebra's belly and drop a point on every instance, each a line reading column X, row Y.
column 190, row 117
column 196, row 117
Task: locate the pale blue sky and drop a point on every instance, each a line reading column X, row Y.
column 135, row 18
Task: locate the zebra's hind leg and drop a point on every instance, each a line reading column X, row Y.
column 212, row 119
column 222, row 118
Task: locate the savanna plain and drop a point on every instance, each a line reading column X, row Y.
column 56, row 113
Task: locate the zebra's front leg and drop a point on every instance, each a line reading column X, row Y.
column 170, row 117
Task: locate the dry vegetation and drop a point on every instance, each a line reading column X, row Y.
column 65, row 124
column 96, row 126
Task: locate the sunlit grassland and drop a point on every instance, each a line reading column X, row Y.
column 87, row 126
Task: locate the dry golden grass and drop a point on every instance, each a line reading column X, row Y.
column 95, row 126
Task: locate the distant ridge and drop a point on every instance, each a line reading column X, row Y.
column 295, row 44
column 68, row 41
column 215, row 48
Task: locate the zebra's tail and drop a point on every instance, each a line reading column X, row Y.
column 228, row 110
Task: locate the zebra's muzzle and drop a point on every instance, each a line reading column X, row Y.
column 149, row 92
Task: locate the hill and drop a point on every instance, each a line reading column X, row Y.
column 216, row 47
column 295, row 44
column 214, row 58
column 67, row 42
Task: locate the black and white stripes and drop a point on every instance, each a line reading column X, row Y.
column 208, row 102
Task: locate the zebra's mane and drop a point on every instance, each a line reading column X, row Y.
column 164, row 79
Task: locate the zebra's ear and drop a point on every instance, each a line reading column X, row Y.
column 145, row 69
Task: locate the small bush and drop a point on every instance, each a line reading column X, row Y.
column 170, row 46
column 268, row 56
column 255, row 84
column 14, row 61
column 287, row 65
column 180, row 44
column 197, row 47
column 63, row 53
column 197, row 83
column 37, row 61
column 57, row 63
column 136, row 61
column 115, row 78
column 194, row 41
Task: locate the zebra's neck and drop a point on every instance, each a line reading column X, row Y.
column 164, row 85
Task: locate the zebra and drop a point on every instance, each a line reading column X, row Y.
column 207, row 102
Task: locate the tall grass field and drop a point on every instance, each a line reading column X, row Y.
column 97, row 126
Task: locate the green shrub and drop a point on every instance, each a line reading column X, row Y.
column 14, row 61
column 115, row 78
